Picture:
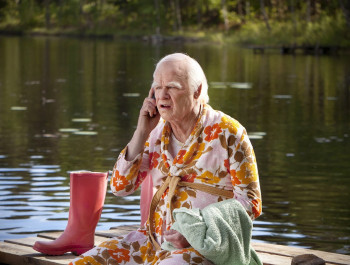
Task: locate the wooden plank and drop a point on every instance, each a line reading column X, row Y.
column 14, row 254
column 270, row 259
column 111, row 233
column 126, row 227
column 117, row 231
column 289, row 251
column 50, row 235
column 114, row 231
column 99, row 240
column 19, row 251
column 29, row 241
column 274, row 259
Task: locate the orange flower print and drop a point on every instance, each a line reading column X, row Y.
column 119, row 182
column 153, row 158
column 180, row 251
column 120, row 254
column 188, row 155
column 111, row 244
column 158, row 223
column 189, row 177
column 143, row 231
column 199, row 151
column 208, row 177
column 194, row 152
column 180, row 198
column 150, row 252
column 257, row 207
column 147, row 252
column 133, row 170
column 234, row 180
column 165, row 193
column 141, row 176
column 165, row 159
column 247, row 173
column 143, row 251
column 179, row 159
column 227, row 165
column 185, row 250
column 165, row 134
column 228, row 123
column 86, row 261
column 212, row 132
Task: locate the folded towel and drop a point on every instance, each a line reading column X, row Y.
column 221, row 232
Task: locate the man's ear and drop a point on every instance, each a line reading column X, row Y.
column 198, row 92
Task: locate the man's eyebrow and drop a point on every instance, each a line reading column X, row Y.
column 170, row 84
column 174, row 84
column 154, row 84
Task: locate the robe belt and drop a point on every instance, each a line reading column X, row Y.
column 172, row 182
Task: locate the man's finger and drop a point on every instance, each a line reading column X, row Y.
column 151, row 92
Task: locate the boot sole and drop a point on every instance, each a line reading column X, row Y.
column 75, row 251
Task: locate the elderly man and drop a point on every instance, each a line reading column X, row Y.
column 202, row 166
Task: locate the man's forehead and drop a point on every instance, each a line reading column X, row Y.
column 169, row 83
column 178, row 68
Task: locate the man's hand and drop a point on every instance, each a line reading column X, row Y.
column 176, row 239
column 148, row 120
column 149, row 116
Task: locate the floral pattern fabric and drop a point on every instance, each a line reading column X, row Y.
column 218, row 153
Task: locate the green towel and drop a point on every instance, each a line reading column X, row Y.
column 221, row 232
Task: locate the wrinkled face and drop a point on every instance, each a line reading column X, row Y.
column 175, row 99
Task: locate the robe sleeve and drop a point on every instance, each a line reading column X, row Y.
column 128, row 175
column 244, row 175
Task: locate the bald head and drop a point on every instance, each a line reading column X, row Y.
column 190, row 70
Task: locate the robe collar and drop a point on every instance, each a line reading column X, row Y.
column 188, row 152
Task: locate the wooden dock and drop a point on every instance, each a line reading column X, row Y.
column 20, row 252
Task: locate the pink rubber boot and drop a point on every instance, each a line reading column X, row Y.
column 87, row 195
column 145, row 199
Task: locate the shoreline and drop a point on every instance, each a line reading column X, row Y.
column 157, row 39
column 154, row 38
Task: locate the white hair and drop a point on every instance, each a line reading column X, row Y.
column 195, row 74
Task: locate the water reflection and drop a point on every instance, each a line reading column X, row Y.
column 68, row 104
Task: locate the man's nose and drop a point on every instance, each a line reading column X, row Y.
column 163, row 94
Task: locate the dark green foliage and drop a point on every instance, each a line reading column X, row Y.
column 272, row 19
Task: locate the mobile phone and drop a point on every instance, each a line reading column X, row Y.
column 154, row 97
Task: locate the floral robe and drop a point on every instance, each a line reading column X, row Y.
column 217, row 153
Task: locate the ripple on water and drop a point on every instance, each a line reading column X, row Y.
column 50, row 178
column 36, row 157
column 50, row 189
column 125, row 206
column 45, row 184
column 10, row 177
column 39, row 172
column 13, row 169
column 4, row 193
column 11, row 182
column 7, row 187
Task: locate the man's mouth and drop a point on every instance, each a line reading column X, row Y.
column 164, row 106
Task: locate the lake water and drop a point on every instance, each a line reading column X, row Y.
column 71, row 104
